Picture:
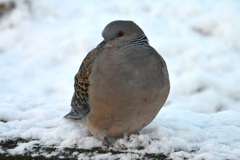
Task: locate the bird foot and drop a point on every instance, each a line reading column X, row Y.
column 106, row 143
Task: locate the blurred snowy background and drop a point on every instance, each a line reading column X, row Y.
column 42, row 44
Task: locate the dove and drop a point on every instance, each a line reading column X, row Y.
column 121, row 84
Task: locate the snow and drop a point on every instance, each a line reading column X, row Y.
column 42, row 44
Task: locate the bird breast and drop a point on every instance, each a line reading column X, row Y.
column 123, row 85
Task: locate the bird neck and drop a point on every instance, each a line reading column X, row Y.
column 140, row 40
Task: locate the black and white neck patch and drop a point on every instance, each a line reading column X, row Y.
column 140, row 40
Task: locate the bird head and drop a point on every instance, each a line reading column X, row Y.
column 118, row 33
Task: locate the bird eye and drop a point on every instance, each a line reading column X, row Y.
column 120, row 33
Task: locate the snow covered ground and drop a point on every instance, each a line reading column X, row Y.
column 42, row 44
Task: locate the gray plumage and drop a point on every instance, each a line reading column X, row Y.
column 121, row 84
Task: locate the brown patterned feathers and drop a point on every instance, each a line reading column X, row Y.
column 79, row 104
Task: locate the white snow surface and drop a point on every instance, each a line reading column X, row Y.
column 42, row 44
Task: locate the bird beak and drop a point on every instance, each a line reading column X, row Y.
column 110, row 45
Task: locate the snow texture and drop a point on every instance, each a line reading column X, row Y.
column 42, row 44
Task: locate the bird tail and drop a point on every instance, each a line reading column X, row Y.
column 74, row 114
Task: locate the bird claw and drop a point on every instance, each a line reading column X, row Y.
column 106, row 143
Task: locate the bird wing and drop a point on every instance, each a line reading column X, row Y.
column 79, row 104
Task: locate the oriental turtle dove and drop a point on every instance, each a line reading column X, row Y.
column 121, row 84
